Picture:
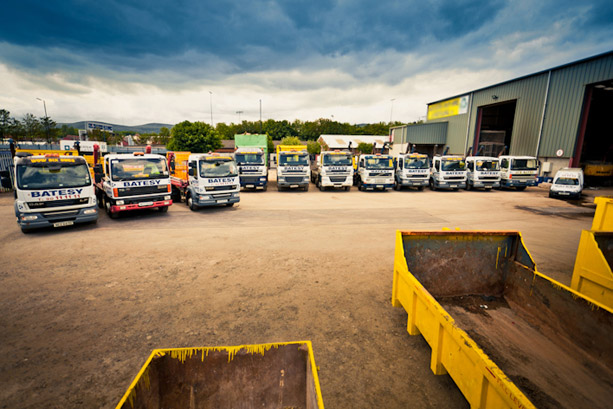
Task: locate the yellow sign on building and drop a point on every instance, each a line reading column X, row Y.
column 451, row 107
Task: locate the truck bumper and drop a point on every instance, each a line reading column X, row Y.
column 284, row 183
column 520, row 183
column 326, row 182
column 260, row 184
column 141, row 205
column 375, row 186
column 414, row 182
column 39, row 220
column 565, row 195
column 459, row 184
column 208, row 200
column 485, row 185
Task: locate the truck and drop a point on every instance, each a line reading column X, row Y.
column 375, row 172
column 448, row 172
column 518, row 171
column 333, row 169
column 507, row 335
column 482, row 172
column 126, row 182
column 412, row 170
column 252, row 169
column 567, row 183
column 211, row 179
column 51, row 190
column 275, row 375
column 293, row 169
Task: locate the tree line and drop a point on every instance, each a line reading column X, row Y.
column 189, row 136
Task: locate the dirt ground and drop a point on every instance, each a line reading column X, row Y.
column 84, row 306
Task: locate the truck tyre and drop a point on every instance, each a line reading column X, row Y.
column 26, row 231
column 347, row 188
column 520, row 188
column 420, row 188
column 107, row 207
column 176, row 195
column 190, row 203
column 432, row 186
column 306, row 188
column 163, row 209
column 321, row 188
column 100, row 201
column 396, row 185
column 467, row 185
column 265, row 188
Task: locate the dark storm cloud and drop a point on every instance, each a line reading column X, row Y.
column 196, row 39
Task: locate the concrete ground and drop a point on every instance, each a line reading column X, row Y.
column 84, row 306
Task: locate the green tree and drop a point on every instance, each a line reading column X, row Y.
column 314, row 148
column 193, row 137
column 365, row 148
column 48, row 128
column 31, row 126
column 5, row 123
column 291, row 140
column 271, row 145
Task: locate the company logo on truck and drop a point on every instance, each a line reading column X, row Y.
column 141, row 183
column 59, row 192
column 337, row 168
column 294, row 168
column 220, row 181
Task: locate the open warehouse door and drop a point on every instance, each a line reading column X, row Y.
column 494, row 128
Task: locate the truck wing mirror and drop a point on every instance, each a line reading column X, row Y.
column 97, row 177
column 98, row 169
column 191, row 171
column 5, row 180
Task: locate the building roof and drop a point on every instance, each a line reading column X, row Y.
column 594, row 57
column 342, row 141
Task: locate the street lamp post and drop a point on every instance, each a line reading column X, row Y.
column 211, row 99
column 46, row 117
column 392, row 108
column 239, row 116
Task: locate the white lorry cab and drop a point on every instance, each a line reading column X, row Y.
column 448, row 172
column 132, row 181
column 293, row 167
column 52, row 191
column 333, row 169
column 412, row 170
column 252, row 169
column 375, row 172
column 482, row 172
column 212, row 180
column 518, row 171
column 567, row 183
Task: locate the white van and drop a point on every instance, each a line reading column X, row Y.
column 568, row 182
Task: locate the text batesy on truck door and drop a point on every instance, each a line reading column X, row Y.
column 252, row 168
column 52, row 191
column 375, row 172
column 212, row 179
column 133, row 181
column 448, row 172
column 412, row 170
column 333, row 169
column 293, row 169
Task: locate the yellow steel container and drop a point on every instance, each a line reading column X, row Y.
column 603, row 218
column 476, row 298
column 592, row 274
column 178, row 165
column 277, row 375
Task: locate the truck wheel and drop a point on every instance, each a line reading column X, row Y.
column 229, row 204
column 190, row 203
column 432, row 186
column 107, row 207
column 321, row 188
column 306, row 188
column 100, row 201
column 26, row 231
column 520, row 188
column 467, row 186
column 396, row 186
column 347, row 188
column 176, row 195
column 265, row 188
column 420, row 188
column 163, row 209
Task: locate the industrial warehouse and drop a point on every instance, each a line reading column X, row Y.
column 558, row 115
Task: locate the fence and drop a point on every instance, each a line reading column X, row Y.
column 6, row 164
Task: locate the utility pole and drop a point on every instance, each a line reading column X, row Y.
column 46, row 118
column 260, row 116
column 239, row 116
column 392, row 109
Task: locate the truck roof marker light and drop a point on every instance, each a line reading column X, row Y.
column 139, row 154
column 52, row 155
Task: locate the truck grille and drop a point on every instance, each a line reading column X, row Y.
column 250, row 179
column 489, row 178
column 218, row 188
column 61, row 216
column 454, row 178
column 57, row 203
column 294, row 179
column 141, row 190
column 338, row 179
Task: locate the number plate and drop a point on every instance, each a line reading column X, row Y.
column 453, row 185
column 222, row 201
column 143, row 204
column 563, row 193
column 293, row 186
column 379, row 186
column 250, row 186
column 62, row 224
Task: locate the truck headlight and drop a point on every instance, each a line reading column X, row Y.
column 119, row 202
column 262, row 179
column 167, row 197
column 90, row 211
column 29, row 218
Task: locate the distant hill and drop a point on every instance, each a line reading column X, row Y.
column 146, row 128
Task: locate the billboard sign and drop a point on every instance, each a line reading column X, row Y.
column 85, row 146
column 451, row 107
column 90, row 126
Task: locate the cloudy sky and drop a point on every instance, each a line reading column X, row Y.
column 137, row 61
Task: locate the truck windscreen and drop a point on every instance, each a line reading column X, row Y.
column 379, row 163
column 293, row 159
column 524, row 164
column 217, row 168
column 249, row 158
column 452, row 164
column 52, row 176
column 487, row 165
column 337, row 160
column 138, row 168
column 416, row 163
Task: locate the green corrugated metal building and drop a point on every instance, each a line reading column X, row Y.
column 560, row 115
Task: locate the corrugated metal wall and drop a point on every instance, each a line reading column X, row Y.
column 563, row 113
column 430, row 133
column 565, row 104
